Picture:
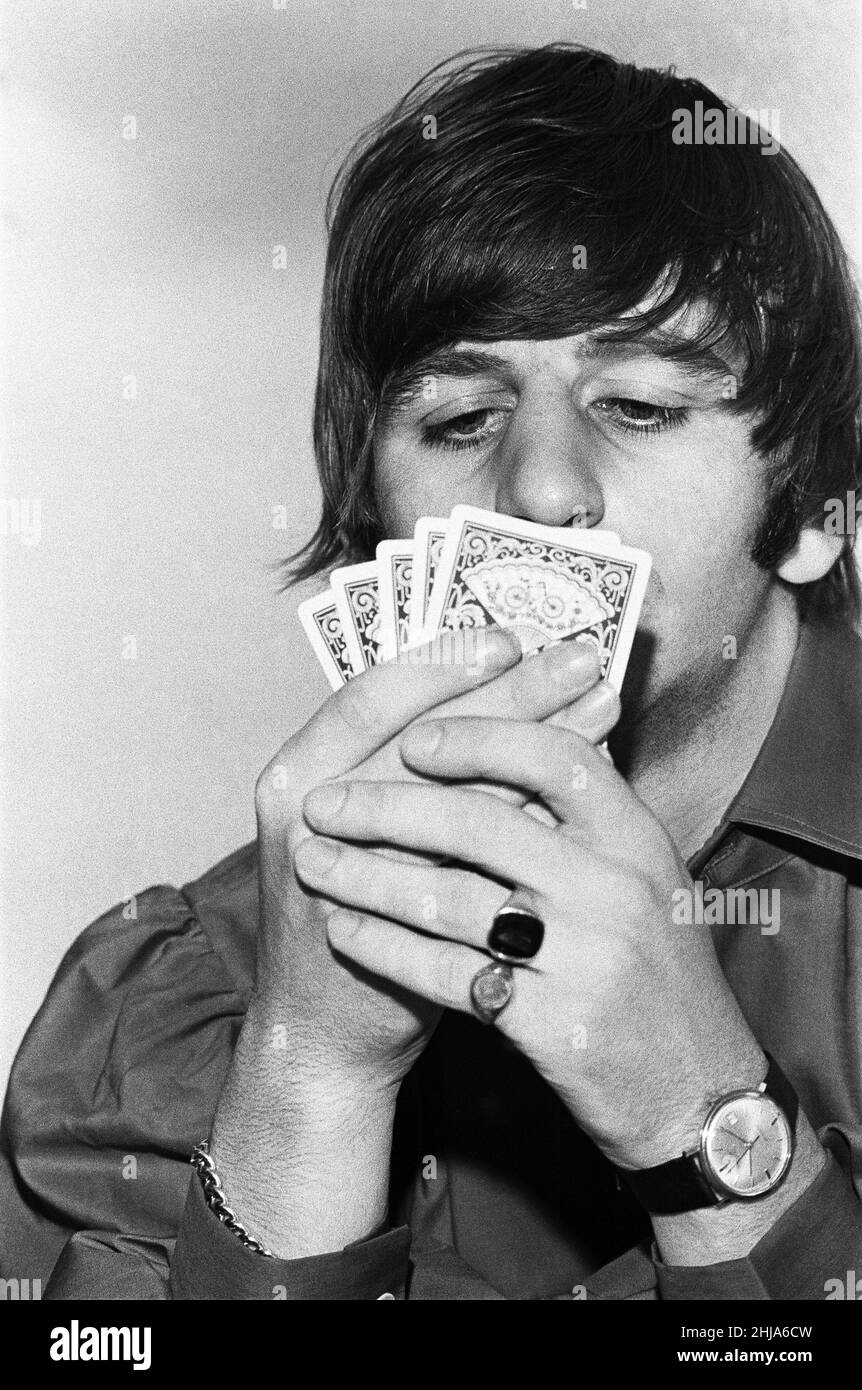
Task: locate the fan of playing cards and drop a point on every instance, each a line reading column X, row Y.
column 477, row 568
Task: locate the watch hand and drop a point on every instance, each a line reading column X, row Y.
column 750, row 1161
column 730, row 1133
column 746, row 1153
column 746, row 1150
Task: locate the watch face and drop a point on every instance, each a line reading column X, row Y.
column 746, row 1145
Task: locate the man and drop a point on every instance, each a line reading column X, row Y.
column 536, row 300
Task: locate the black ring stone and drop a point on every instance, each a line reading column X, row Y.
column 515, row 935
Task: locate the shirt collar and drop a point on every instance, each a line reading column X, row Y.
column 807, row 778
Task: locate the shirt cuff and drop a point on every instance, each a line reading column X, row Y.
column 210, row 1262
column 815, row 1241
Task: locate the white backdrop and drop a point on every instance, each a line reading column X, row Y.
column 150, row 258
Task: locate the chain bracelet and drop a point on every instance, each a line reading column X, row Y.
column 216, row 1200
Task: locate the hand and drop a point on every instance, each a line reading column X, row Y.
column 625, row 1014
column 302, row 1131
column 340, row 1017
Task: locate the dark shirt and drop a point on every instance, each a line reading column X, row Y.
column 496, row 1192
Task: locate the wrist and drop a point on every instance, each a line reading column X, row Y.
column 306, row 1189
column 711, row 1235
column 680, row 1106
column 302, row 1150
column 306, row 1077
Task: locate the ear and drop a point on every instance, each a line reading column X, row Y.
column 813, row 555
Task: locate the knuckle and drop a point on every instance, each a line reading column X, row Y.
column 451, row 901
column 463, row 649
column 447, row 974
column 267, row 788
column 566, row 727
column 461, row 653
column 559, row 753
column 354, row 705
column 470, row 899
column 261, row 790
column 278, row 790
column 429, row 909
column 572, row 754
column 506, row 699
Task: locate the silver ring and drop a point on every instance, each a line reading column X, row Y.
column 490, row 990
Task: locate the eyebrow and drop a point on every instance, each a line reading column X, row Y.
column 686, row 353
column 690, row 357
column 445, row 361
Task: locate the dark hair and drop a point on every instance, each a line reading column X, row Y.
column 469, row 235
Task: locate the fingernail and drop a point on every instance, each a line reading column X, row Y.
column 422, row 741
column 572, row 658
column 317, row 856
column 604, row 696
column 492, row 646
column 505, row 637
column 583, row 653
column 326, row 801
column 481, row 647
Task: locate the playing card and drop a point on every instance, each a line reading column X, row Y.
column 428, row 538
column 395, row 569
column 357, row 600
column 325, row 632
column 548, row 583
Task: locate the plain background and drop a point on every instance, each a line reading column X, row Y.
column 152, row 258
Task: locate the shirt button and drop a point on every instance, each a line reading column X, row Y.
column 385, row 1295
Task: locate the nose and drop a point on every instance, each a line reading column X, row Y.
column 545, row 475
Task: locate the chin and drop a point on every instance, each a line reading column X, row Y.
column 642, row 683
column 667, row 685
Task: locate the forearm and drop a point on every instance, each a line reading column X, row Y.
column 302, row 1150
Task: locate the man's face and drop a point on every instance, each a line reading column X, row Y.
column 573, row 431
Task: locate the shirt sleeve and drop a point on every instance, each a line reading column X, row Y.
column 210, row 1262
column 116, row 1081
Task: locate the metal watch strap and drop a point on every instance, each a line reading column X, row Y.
column 216, row 1200
column 679, row 1185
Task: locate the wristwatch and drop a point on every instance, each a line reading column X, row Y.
column 745, row 1151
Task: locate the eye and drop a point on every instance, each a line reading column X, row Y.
column 642, row 417
column 467, row 431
